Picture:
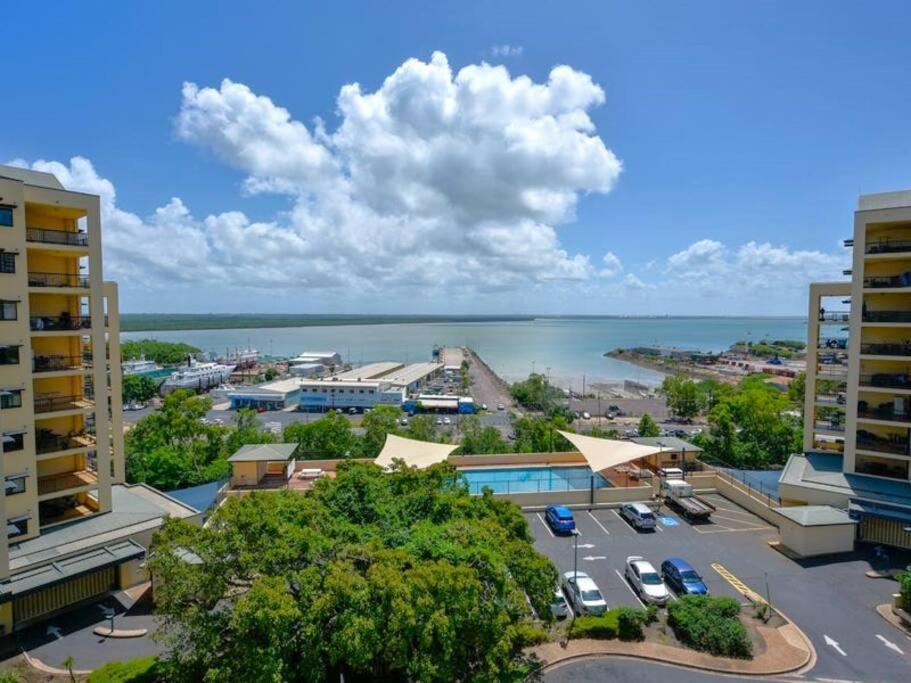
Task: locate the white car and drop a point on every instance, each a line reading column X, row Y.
column 646, row 581
column 583, row 593
column 439, row 420
column 586, row 415
column 447, row 421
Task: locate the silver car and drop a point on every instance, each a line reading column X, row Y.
column 583, row 593
column 558, row 605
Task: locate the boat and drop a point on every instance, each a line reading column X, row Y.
column 139, row 366
column 242, row 358
column 197, row 376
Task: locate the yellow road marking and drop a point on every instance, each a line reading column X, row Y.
column 738, row 585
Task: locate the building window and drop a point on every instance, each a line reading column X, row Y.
column 6, row 216
column 17, row 526
column 11, row 399
column 7, row 262
column 9, row 310
column 16, row 442
column 15, row 484
column 9, row 355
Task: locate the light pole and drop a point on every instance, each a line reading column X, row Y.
column 575, row 556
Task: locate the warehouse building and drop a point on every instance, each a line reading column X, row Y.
column 370, row 371
column 321, row 395
column 413, row 377
column 276, row 395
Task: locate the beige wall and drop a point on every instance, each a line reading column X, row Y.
column 808, row 541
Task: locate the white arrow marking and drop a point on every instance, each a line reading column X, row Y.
column 835, row 646
column 54, row 631
column 586, row 545
column 594, row 557
column 889, row 644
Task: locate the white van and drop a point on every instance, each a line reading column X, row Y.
column 639, row 515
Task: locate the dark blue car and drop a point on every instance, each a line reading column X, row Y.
column 560, row 519
column 682, row 578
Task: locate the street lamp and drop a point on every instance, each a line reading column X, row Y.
column 576, row 555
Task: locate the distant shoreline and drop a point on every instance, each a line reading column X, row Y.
column 155, row 322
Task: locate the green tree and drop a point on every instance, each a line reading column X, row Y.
column 139, row 388
column 648, row 426
column 398, row 576
column 536, row 393
column 683, row 396
column 328, row 437
column 247, row 430
column 797, row 390
column 539, row 435
column 423, row 428
column 270, row 374
column 165, row 353
column 478, row 439
column 379, row 422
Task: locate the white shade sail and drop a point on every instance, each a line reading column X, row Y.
column 414, row 453
column 604, row 453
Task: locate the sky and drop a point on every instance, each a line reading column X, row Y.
column 699, row 158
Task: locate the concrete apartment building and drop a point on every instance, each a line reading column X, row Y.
column 71, row 523
column 857, row 443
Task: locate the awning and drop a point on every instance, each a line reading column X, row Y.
column 602, row 454
column 414, row 453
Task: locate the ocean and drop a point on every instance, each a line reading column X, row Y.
column 566, row 348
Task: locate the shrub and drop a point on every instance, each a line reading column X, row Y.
column 604, row 627
column 529, row 634
column 140, row 670
column 630, row 621
column 904, row 582
column 710, row 624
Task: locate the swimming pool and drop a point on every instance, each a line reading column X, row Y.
column 532, row 479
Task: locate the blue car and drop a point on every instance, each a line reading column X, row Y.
column 682, row 578
column 560, row 519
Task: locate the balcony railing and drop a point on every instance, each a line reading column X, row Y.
column 887, row 316
column 50, row 404
column 47, row 441
column 834, row 316
column 37, row 279
column 885, row 412
column 831, row 399
column 829, row 426
column 64, row 237
column 893, row 380
column 886, row 349
column 62, row 482
column 60, row 322
column 888, row 281
column 896, row 444
column 833, row 343
column 830, row 446
column 55, row 363
column 885, row 245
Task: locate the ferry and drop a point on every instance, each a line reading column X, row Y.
column 243, row 358
column 139, row 366
column 197, row 376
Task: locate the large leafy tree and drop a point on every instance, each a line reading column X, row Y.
column 379, row 422
column 478, row 439
column 398, row 576
column 328, row 437
column 539, row 435
column 139, row 388
column 683, row 396
column 648, row 426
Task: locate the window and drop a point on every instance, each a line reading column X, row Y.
column 6, row 216
column 16, row 443
column 15, row 484
column 17, row 526
column 7, row 262
column 11, row 399
column 9, row 310
column 9, row 355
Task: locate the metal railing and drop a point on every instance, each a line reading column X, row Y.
column 831, row 399
column 835, row 316
column 886, row 316
column 884, row 245
column 886, row 349
column 898, row 445
column 47, row 441
column 54, row 362
column 883, row 414
column 38, row 279
column 61, row 482
column 829, row 446
column 829, row 426
column 750, row 483
column 502, row 483
column 889, row 380
column 49, row 404
column 59, row 322
column 887, row 281
column 50, row 236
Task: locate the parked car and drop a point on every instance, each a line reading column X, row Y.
column 583, row 593
column 646, row 581
column 439, row 420
column 500, row 406
column 404, row 422
column 560, row 519
column 682, row 578
column 586, row 415
column 447, row 421
column 558, row 605
column 352, row 411
column 483, row 406
column 639, row 515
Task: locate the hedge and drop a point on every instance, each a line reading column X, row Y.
column 625, row 623
column 708, row 623
column 140, row 670
column 904, row 582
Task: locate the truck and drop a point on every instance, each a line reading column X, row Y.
column 678, row 494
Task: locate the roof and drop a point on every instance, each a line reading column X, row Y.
column 816, row 515
column 670, row 443
column 679, row 562
column 57, row 571
column 823, row 472
column 30, row 177
column 264, row 452
column 370, row 371
column 279, row 386
column 413, row 373
column 414, row 453
column 602, row 454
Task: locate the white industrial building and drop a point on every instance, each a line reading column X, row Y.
column 314, row 363
column 321, row 395
column 414, row 376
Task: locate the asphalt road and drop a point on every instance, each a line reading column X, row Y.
column 825, row 598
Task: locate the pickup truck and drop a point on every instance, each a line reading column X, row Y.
column 678, row 494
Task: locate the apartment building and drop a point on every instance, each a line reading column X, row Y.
column 69, row 517
column 857, row 431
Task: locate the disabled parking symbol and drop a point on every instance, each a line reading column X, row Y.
column 668, row 521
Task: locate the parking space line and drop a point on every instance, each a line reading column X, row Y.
column 745, row 513
column 546, row 525
column 739, row 521
column 738, row 585
column 726, row 530
column 630, row 588
column 595, row 520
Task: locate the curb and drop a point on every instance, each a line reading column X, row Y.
column 106, row 632
column 38, row 665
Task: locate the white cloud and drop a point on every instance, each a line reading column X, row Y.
column 612, row 265
column 633, row 282
column 505, row 50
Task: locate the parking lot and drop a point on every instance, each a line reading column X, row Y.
column 829, row 598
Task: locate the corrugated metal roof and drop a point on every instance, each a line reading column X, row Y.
column 30, row 177
column 370, row 371
column 265, row 452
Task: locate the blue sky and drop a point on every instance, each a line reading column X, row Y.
column 745, row 132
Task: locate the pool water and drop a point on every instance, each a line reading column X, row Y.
column 532, row 479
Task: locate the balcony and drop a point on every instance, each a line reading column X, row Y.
column 60, row 237
column 75, row 280
column 894, row 444
column 48, row 441
column 887, row 316
column 59, row 323
column 57, row 363
column 889, row 380
column 834, row 316
column 829, row 446
column 886, row 349
column 64, row 482
column 885, row 412
column 828, row 426
column 831, row 399
column 54, row 404
column 886, row 245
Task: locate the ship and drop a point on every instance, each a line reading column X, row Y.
column 242, row 358
column 139, row 366
column 197, row 376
